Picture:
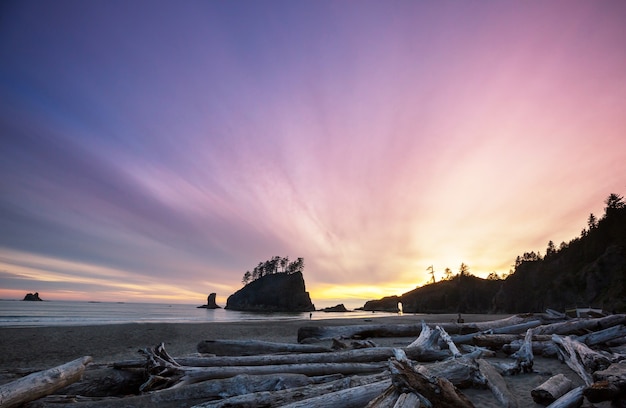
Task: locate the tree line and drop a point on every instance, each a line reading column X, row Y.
column 274, row 265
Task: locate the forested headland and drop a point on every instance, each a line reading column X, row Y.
column 589, row 270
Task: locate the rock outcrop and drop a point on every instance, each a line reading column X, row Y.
column 33, row 297
column 338, row 308
column 210, row 303
column 279, row 292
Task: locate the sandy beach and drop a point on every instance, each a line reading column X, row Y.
column 45, row 347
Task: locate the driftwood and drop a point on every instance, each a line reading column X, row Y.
column 438, row 391
column 552, row 389
column 540, row 348
column 295, row 394
column 603, row 336
column 581, row 326
column 497, row 385
column 580, row 358
column 403, row 330
column 446, row 338
column 609, row 384
column 573, row 399
column 355, row 397
column 194, row 393
column 368, row 355
column 513, row 329
column 498, row 341
column 524, row 356
column 166, row 372
column 253, row 347
column 42, row 383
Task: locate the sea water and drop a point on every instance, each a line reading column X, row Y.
column 15, row 313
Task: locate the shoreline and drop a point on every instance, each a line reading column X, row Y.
column 48, row 346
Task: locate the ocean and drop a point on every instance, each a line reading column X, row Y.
column 16, row 313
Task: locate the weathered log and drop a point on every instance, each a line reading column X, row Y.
column 427, row 339
column 252, row 347
column 609, row 384
column 366, row 355
column 106, row 382
column 551, row 390
column 165, row 372
column 573, row 399
column 462, row 372
column 524, row 356
column 582, row 325
column 387, row 399
column 603, row 336
column 497, row 341
column 407, row 400
column 291, row 395
column 446, row 338
column 513, row 329
column 581, row 358
column 195, row 393
column 355, row 397
column 540, row 348
column 437, row 390
column 402, row 330
column 496, row 384
column 42, row 383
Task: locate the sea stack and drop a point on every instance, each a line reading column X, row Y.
column 33, row 297
column 210, row 303
column 279, row 292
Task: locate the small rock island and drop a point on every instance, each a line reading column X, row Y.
column 33, row 297
column 210, row 303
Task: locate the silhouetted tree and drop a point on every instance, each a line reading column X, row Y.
column 448, row 273
column 592, row 221
column 613, row 202
column 551, row 249
column 432, row 273
column 464, row 270
column 273, row 265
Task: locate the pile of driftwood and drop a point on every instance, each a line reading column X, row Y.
column 351, row 371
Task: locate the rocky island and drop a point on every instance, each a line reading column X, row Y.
column 33, row 297
column 210, row 303
column 279, row 292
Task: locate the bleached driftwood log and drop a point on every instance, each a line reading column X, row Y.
column 573, row 399
column 42, row 383
column 463, row 372
column 438, row 391
column 513, row 329
column 253, row 347
column 294, row 394
column 403, row 330
column 498, row 341
column 551, row 390
column 497, row 385
column 355, row 397
column 188, row 395
column 609, row 384
column 582, row 325
column 446, row 338
column 603, row 336
column 165, row 372
column 541, row 348
column 366, row 355
column 524, row 356
column 580, row 358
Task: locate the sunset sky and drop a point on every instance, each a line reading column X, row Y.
column 153, row 151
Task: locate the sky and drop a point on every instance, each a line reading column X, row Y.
column 154, row 151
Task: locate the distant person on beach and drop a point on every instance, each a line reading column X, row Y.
column 310, row 315
column 460, row 319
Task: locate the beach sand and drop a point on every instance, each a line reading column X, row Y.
column 45, row 347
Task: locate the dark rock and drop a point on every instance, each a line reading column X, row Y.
column 279, row 292
column 33, row 297
column 339, row 308
column 386, row 304
column 210, row 303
